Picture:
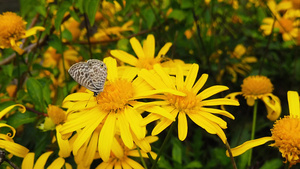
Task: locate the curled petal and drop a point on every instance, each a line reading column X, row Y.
column 248, row 145
column 273, row 106
column 7, row 109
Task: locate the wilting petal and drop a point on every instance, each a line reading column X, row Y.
column 248, row 145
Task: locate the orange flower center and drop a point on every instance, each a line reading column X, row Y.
column 12, row 26
column 184, row 102
column 115, row 95
column 286, row 135
column 256, row 86
column 56, row 114
column 284, row 25
column 146, row 63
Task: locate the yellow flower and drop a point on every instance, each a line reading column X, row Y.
column 191, row 104
column 145, row 54
column 288, row 24
column 120, row 156
column 6, row 140
column 12, row 29
column 112, row 110
column 260, row 87
column 238, row 63
column 28, row 162
column 285, row 134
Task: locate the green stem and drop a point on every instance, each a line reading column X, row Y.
column 141, row 157
column 163, row 146
column 253, row 128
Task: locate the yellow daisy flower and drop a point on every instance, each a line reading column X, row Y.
column 260, row 87
column 285, row 134
column 6, row 140
column 112, row 110
column 12, row 29
column 145, row 54
column 192, row 104
column 28, row 162
column 120, row 156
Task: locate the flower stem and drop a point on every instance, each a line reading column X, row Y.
column 253, row 129
column 163, row 146
column 230, row 155
column 141, row 157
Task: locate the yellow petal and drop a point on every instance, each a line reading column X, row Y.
column 153, row 92
column 202, row 122
column 160, row 111
column 150, row 118
column 163, row 124
column 214, row 119
column 57, row 163
column 32, row 31
column 117, row 149
column 64, row 145
column 152, row 79
column 112, row 71
column 125, row 130
column 199, row 84
column 182, row 126
column 106, row 137
column 179, row 77
column 12, row 129
column 163, row 51
column 129, row 73
column 7, row 109
column 77, row 97
column 248, row 145
column 14, row 148
column 149, row 46
column 134, row 118
column 220, row 101
column 217, row 111
column 164, row 76
column 41, row 161
column 212, row 91
column 133, row 164
column 124, row 57
column 136, row 46
column 91, row 149
column 28, row 161
column 85, row 134
column 273, row 106
column 191, row 77
column 293, row 100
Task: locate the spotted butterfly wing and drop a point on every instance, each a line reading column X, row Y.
column 91, row 74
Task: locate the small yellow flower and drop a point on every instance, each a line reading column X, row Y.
column 285, row 134
column 6, row 140
column 56, row 114
column 191, row 104
column 145, row 54
column 12, row 29
column 28, row 162
column 260, row 87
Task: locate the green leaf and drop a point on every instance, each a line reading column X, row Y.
column 8, row 69
column 274, row 164
column 66, row 34
column 35, row 92
column 187, row 4
column 177, row 152
column 194, row 164
column 149, row 15
column 56, row 43
column 79, row 5
column 19, row 118
column 91, row 10
column 63, row 8
column 177, row 15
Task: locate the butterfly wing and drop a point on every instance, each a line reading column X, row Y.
column 98, row 73
column 91, row 74
column 80, row 73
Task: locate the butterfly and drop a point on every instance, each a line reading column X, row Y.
column 91, row 74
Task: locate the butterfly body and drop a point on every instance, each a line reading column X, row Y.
column 91, row 74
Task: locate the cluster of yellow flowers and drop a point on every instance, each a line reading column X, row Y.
column 148, row 89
